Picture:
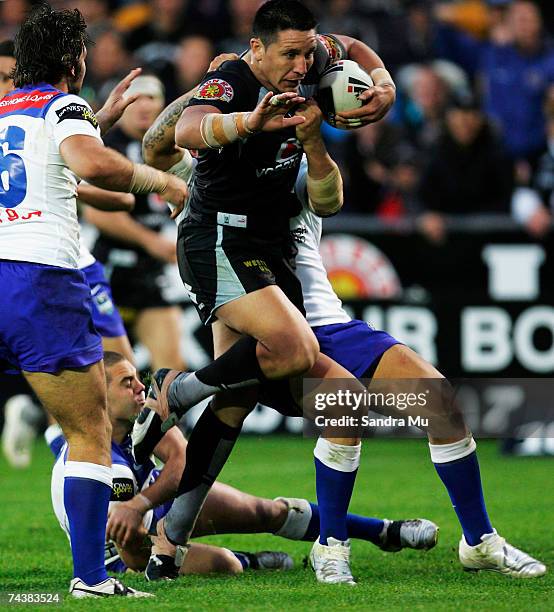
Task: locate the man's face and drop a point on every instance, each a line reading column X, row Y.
column 7, row 64
column 526, row 24
column 285, row 62
column 75, row 82
column 125, row 392
column 140, row 115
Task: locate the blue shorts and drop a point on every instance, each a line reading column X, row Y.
column 45, row 319
column 105, row 315
column 355, row 345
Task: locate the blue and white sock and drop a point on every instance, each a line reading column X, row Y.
column 458, row 468
column 87, row 492
column 54, row 438
column 336, row 466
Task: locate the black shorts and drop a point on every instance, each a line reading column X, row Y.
column 219, row 264
column 136, row 289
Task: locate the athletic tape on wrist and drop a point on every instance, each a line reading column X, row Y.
column 146, row 503
column 325, row 195
column 219, row 130
column 444, row 453
column 381, row 76
column 147, row 180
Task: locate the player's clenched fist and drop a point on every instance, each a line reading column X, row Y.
column 269, row 115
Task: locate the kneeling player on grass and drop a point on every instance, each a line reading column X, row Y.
column 142, row 495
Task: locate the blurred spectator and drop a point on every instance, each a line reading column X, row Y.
column 468, row 172
column 514, row 75
column 342, row 17
column 408, row 37
column 192, row 59
column 533, row 206
column 107, row 62
column 12, row 13
column 97, row 14
column 372, row 153
column 241, row 17
column 7, row 64
column 161, row 32
column 421, row 112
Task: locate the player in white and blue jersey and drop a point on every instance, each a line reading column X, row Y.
column 142, row 494
column 49, row 138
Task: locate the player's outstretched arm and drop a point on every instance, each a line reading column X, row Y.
column 103, row 167
column 117, row 102
column 206, row 127
column 324, row 182
column 103, row 199
column 377, row 100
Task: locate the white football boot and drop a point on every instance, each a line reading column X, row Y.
column 331, row 563
column 494, row 554
column 111, row 587
column 420, row 534
column 20, row 417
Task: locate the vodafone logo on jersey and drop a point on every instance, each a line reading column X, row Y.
column 357, row 269
column 289, row 148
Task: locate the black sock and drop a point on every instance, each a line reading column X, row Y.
column 209, row 446
column 237, row 367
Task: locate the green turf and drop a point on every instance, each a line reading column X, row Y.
column 396, row 480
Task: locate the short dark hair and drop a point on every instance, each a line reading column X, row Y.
column 7, row 48
column 48, row 45
column 110, row 359
column 277, row 15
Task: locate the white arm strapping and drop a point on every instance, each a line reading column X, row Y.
column 147, row 180
column 219, row 130
column 381, row 76
column 325, row 195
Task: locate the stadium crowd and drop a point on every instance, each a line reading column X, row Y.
column 475, row 107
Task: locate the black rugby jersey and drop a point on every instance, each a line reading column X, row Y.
column 253, row 176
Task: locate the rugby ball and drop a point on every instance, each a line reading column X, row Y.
column 339, row 88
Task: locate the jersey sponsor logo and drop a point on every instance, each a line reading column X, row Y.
column 288, row 156
column 21, row 102
column 331, row 46
column 257, row 263
column 215, row 89
column 123, row 489
column 77, row 111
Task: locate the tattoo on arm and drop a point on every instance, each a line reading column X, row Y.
column 162, row 131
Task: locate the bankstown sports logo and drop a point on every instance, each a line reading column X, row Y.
column 123, row 489
column 288, row 155
column 77, row 111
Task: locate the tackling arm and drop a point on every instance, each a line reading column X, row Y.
column 105, row 200
column 324, row 181
column 87, row 157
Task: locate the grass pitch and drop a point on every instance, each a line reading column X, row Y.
column 396, row 480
